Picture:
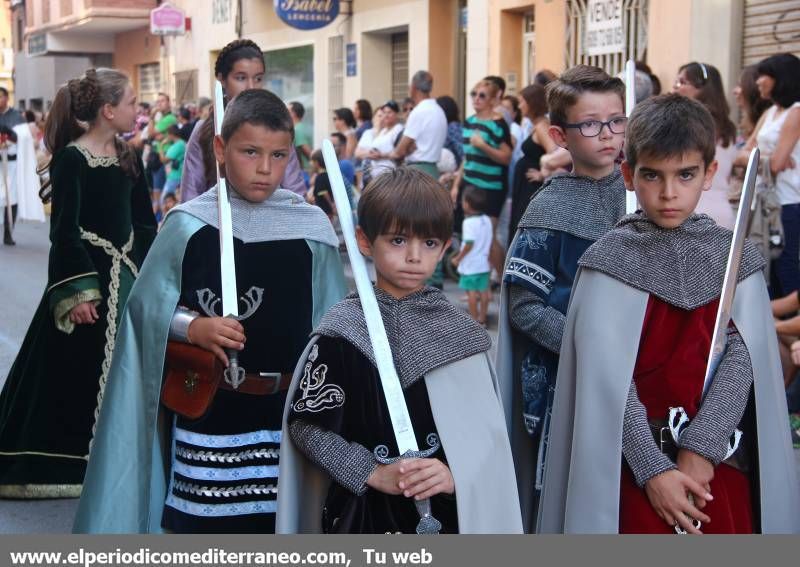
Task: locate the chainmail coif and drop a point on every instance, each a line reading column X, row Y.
column 683, row 266
column 578, row 205
column 425, row 331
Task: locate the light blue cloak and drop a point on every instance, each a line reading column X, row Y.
column 127, row 475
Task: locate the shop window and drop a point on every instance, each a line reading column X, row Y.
column 400, row 76
column 335, row 73
column 290, row 75
column 149, row 81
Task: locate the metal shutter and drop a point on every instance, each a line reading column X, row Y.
column 770, row 27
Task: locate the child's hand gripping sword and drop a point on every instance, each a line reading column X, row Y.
column 234, row 375
column 630, row 103
column 678, row 420
column 392, row 390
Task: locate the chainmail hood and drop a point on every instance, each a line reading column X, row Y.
column 683, row 266
column 578, row 205
column 425, row 331
column 284, row 216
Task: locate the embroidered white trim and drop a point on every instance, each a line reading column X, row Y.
column 532, row 273
column 69, row 279
column 239, row 440
column 216, row 473
column 317, row 396
column 225, row 492
column 221, row 510
column 117, row 257
column 226, row 457
column 93, row 160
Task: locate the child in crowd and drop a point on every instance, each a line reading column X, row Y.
column 636, row 346
column 337, row 417
column 323, row 196
column 152, row 469
column 172, row 157
column 473, row 258
column 587, row 116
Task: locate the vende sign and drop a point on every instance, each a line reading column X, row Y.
column 603, row 27
column 307, row 14
column 167, row 20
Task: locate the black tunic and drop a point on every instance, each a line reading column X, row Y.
column 363, row 417
column 225, row 464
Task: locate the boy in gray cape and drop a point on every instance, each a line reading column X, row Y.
column 635, row 349
column 337, row 425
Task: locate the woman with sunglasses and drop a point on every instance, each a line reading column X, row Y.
column 703, row 83
column 487, row 153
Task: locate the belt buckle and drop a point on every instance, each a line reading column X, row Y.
column 661, row 440
column 276, row 376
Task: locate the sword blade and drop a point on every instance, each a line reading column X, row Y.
column 719, row 338
column 630, row 102
column 392, row 390
column 230, row 301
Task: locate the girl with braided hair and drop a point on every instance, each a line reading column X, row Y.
column 239, row 66
column 101, row 228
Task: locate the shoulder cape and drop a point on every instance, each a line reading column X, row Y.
column 478, row 450
column 126, row 481
column 598, row 354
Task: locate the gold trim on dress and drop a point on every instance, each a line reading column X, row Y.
column 69, row 279
column 31, row 491
column 93, row 160
column 63, row 307
column 117, row 258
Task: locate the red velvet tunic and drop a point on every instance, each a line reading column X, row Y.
column 669, row 372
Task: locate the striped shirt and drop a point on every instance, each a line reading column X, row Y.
column 479, row 169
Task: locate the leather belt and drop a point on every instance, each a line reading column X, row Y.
column 740, row 460
column 261, row 384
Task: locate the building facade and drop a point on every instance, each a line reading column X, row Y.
column 56, row 40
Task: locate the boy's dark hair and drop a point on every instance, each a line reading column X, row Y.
column 185, row 113
column 406, row 201
column 3, row 91
column 316, row 157
column 563, row 93
column 257, row 107
column 345, row 114
column 499, row 82
column 298, row 109
column 173, row 130
column 476, row 198
column 339, row 137
column 667, row 126
column 785, row 69
column 171, row 196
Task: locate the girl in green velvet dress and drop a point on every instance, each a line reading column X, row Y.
column 100, row 229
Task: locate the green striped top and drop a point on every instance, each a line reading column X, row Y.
column 479, row 169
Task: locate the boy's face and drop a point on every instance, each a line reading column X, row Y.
column 255, row 159
column 668, row 188
column 592, row 153
column 402, row 263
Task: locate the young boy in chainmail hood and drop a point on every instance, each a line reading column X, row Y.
column 337, row 419
column 635, row 349
column 587, row 115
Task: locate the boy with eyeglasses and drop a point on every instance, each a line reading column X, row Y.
column 572, row 211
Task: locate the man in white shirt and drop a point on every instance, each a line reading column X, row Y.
column 426, row 128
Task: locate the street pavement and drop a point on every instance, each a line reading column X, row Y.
column 23, row 275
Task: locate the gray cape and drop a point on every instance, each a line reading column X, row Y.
column 598, row 354
column 470, row 423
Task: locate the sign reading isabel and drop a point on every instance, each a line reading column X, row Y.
column 167, row 20
column 307, row 14
column 603, row 29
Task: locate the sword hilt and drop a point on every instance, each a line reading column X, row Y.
column 234, row 374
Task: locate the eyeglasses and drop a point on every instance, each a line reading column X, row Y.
column 475, row 94
column 592, row 128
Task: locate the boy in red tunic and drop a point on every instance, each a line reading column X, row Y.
column 636, row 344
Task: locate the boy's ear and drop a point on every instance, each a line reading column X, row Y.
column 709, row 178
column 219, row 149
column 558, row 135
column 364, row 245
column 627, row 175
